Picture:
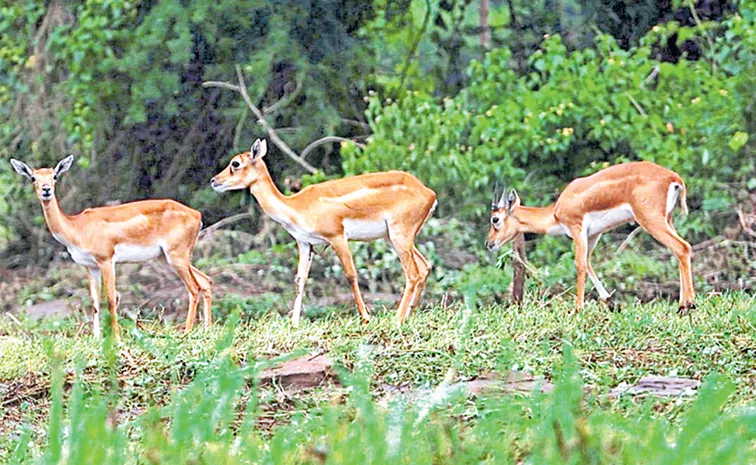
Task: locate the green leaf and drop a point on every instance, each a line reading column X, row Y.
column 738, row 140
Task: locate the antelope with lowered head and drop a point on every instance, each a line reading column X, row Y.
column 392, row 205
column 642, row 192
column 98, row 238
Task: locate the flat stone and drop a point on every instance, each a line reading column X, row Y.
column 659, row 386
column 300, row 373
column 513, row 382
column 57, row 307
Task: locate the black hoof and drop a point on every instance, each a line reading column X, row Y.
column 612, row 305
column 686, row 309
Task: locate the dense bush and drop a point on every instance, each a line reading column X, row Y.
column 118, row 83
column 577, row 112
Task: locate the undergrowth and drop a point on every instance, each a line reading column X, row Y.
column 160, row 397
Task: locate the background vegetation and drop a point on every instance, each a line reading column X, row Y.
column 458, row 92
column 161, row 397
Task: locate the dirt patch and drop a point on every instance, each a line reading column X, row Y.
column 57, row 307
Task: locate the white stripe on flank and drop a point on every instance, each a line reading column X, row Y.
column 364, row 192
column 672, row 193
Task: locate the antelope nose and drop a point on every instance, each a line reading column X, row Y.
column 46, row 190
column 212, row 181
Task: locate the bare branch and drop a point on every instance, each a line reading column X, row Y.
column 484, row 32
column 224, row 222
column 652, row 75
column 326, row 140
column 626, row 242
column 274, row 137
column 224, row 85
column 636, row 104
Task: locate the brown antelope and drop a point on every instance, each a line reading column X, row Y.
column 98, row 238
column 641, row 191
column 392, row 205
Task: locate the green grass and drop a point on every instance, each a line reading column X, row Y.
column 181, row 399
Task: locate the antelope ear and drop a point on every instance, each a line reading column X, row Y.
column 21, row 168
column 64, row 165
column 513, row 200
column 259, row 149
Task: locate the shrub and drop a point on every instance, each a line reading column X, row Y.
column 576, row 113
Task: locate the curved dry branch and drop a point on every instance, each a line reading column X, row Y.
column 326, row 140
column 627, row 240
column 224, row 222
column 274, row 137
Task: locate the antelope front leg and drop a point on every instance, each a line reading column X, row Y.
column 94, row 292
column 341, row 247
column 107, row 269
column 581, row 263
column 303, row 270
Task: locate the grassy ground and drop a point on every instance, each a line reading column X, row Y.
column 155, row 363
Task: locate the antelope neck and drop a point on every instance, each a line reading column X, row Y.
column 538, row 220
column 58, row 222
column 271, row 200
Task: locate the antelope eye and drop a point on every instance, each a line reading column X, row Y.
column 235, row 164
column 495, row 219
column 55, row 177
column 33, row 179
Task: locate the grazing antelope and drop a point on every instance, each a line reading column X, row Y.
column 98, row 238
column 641, row 191
column 392, row 205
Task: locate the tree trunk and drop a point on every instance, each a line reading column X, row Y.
column 518, row 280
column 484, row 24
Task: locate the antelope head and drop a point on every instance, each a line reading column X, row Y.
column 43, row 179
column 504, row 226
column 243, row 170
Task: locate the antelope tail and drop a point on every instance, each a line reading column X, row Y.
column 683, row 201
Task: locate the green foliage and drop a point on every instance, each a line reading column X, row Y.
column 247, row 306
column 199, row 399
column 574, row 113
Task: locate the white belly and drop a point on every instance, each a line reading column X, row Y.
column 136, row 253
column 600, row 221
column 559, row 230
column 301, row 234
column 82, row 257
column 360, row 230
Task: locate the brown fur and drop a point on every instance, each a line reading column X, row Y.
column 643, row 186
column 98, row 231
column 317, row 214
